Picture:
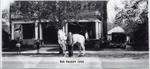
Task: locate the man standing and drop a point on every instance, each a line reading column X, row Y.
column 69, row 42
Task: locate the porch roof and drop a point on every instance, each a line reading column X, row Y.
column 83, row 20
column 117, row 29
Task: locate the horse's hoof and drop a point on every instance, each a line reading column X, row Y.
column 60, row 53
column 65, row 55
column 70, row 56
column 82, row 55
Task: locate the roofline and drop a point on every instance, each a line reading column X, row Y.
column 33, row 21
column 83, row 20
column 61, row 0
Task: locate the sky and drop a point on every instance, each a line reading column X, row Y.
column 5, row 4
column 111, row 12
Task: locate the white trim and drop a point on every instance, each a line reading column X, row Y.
column 90, row 20
column 22, row 22
column 28, row 22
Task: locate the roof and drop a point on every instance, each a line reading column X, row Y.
column 87, row 14
column 117, row 29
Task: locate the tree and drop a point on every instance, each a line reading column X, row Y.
column 55, row 11
column 134, row 19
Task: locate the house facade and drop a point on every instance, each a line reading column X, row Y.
column 92, row 21
column 29, row 31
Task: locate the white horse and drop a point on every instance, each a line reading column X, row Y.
column 80, row 41
column 62, row 40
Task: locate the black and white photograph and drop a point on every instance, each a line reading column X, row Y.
column 74, row 34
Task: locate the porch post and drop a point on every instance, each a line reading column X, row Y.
column 41, row 35
column 36, row 30
column 63, row 28
column 66, row 28
column 100, row 29
column 21, row 32
column 96, row 29
column 12, row 31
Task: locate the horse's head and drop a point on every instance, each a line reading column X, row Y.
column 61, row 34
column 60, row 31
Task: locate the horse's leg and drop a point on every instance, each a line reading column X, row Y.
column 64, row 49
column 80, row 48
column 83, row 47
column 70, row 49
column 60, row 49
